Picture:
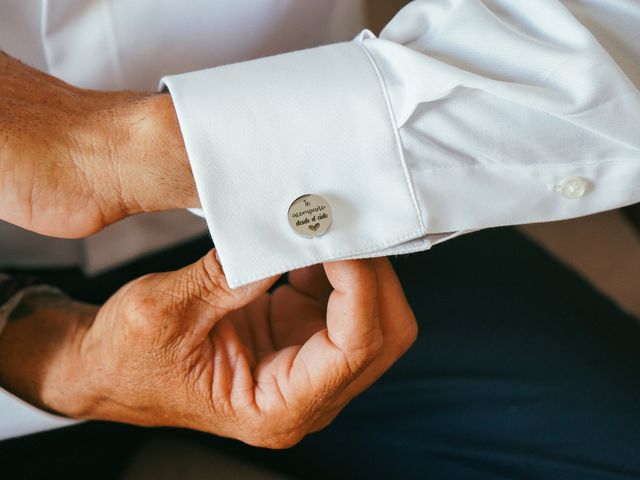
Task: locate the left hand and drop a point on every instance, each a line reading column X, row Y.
column 73, row 161
column 183, row 349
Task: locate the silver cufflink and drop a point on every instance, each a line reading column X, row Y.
column 310, row 215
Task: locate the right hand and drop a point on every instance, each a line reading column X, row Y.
column 73, row 161
column 183, row 349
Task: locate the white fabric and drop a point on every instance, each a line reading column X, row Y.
column 351, row 137
column 462, row 115
column 486, row 107
column 18, row 418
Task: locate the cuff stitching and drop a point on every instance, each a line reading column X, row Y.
column 396, row 135
column 340, row 255
column 519, row 166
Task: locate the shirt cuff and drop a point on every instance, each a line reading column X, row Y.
column 262, row 133
column 18, row 418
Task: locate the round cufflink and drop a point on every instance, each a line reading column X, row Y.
column 310, row 215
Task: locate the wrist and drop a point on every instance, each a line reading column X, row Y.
column 39, row 354
column 68, row 389
column 154, row 170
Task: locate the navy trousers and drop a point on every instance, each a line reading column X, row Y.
column 521, row 370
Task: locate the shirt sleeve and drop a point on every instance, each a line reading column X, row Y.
column 461, row 116
column 18, row 418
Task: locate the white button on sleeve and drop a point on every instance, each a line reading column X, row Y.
column 574, row 188
column 494, row 101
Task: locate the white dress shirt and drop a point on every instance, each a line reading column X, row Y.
column 463, row 115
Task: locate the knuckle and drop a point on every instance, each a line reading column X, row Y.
column 209, row 282
column 278, row 429
column 140, row 318
column 141, row 307
column 282, row 443
column 212, row 269
column 194, row 285
column 218, row 291
column 358, row 359
column 277, row 441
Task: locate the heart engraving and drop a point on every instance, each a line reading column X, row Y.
column 315, row 227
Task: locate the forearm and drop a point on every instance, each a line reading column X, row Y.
column 38, row 353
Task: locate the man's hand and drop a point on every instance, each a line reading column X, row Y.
column 73, row 161
column 182, row 349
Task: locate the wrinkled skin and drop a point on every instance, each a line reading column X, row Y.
column 183, row 349
column 73, row 161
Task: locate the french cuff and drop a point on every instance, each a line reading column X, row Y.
column 18, row 418
column 261, row 134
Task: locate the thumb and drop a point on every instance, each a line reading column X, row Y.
column 199, row 296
